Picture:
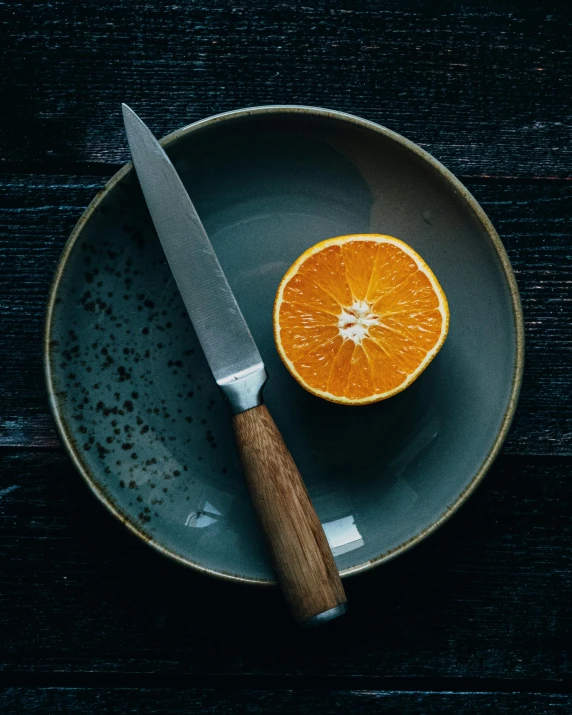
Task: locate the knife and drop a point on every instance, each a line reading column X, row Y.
column 300, row 551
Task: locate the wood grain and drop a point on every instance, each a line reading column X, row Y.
column 534, row 220
column 476, row 619
column 303, row 560
column 166, row 701
column 485, row 86
column 486, row 597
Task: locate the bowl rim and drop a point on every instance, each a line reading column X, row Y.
column 66, row 435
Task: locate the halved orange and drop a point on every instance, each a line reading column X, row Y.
column 358, row 318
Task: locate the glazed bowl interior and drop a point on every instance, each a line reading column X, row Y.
column 134, row 399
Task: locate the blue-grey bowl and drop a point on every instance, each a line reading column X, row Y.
column 135, row 403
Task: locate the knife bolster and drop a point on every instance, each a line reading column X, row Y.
column 244, row 392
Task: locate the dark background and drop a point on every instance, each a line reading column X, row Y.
column 477, row 618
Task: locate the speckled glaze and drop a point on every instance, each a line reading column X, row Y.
column 137, row 407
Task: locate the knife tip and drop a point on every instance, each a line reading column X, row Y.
column 130, row 120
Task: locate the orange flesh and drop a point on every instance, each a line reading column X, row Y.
column 402, row 307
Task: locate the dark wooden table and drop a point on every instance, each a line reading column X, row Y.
column 477, row 618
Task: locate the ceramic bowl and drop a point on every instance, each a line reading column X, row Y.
column 138, row 409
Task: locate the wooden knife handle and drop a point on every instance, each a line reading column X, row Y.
column 302, row 557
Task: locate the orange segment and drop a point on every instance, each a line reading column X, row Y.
column 315, row 366
column 360, row 382
column 340, row 368
column 321, row 274
column 360, row 259
column 358, row 318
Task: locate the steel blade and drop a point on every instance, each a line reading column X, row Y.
column 220, row 326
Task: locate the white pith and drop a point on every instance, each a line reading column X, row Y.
column 354, row 322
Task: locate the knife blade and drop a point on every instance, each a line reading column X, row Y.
column 220, row 326
column 304, row 563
